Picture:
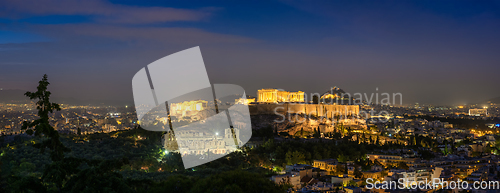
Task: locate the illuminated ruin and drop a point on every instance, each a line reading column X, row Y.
column 277, row 96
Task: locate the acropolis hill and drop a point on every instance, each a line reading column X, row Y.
column 277, row 101
column 290, row 112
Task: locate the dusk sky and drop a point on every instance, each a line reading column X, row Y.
column 441, row 52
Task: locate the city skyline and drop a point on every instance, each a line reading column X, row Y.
column 249, row 96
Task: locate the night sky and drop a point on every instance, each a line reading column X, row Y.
column 441, row 52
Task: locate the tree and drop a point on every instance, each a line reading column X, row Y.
column 98, row 178
column 237, row 181
column 315, row 99
column 343, row 158
column 402, row 165
column 352, row 183
column 340, row 169
column 446, row 151
column 42, row 126
column 357, row 174
column 316, row 133
column 384, row 173
column 364, row 163
column 488, row 148
column 295, row 157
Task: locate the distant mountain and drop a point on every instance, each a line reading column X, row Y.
column 17, row 96
column 334, row 91
column 486, row 102
column 494, row 100
column 13, row 96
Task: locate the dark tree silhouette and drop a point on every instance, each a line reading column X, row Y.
column 357, row 174
column 41, row 127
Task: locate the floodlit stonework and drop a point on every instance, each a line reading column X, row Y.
column 277, row 96
column 325, row 110
column 187, row 107
column 244, row 101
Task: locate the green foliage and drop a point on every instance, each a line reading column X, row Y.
column 235, row 181
column 175, row 183
column 41, row 125
column 352, row 183
column 340, row 169
column 316, row 133
column 295, row 157
column 302, row 134
column 26, row 184
column 402, row 165
column 343, row 158
column 357, row 173
column 100, row 177
column 364, row 163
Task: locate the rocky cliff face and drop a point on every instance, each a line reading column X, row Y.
column 294, row 123
column 291, row 125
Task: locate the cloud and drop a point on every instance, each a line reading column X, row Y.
column 173, row 35
column 101, row 11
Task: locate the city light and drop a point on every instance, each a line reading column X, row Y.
column 290, row 130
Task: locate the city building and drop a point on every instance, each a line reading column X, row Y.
column 329, row 165
column 385, row 159
column 478, row 112
column 291, row 179
column 417, row 176
column 341, row 180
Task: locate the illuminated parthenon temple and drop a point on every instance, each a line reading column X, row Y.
column 277, row 96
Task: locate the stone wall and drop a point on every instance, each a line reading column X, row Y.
column 320, row 110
